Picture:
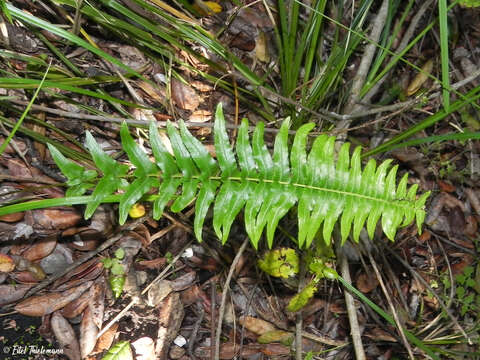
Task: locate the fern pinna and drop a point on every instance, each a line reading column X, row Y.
column 249, row 178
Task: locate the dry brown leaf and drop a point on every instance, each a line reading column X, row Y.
column 144, row 348
column 170, row 319
column 46, row 304
column 378, row 334
column 105, row 341
column 184, row 281
column 40, row 249
column 11, row 218
column 184, row 96
column 88, row 333
column 6, row 263
column 157, row 263
column 200, row 116
column 55, row 219
column 65, row 336
column 420, row 78
column 261, row 47
column 11, row 293
column 158, row 291
column 367, row 282
column 97, row 302
column 255, row 325
column 76, row 307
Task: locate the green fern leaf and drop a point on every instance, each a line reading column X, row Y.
column 266, row 187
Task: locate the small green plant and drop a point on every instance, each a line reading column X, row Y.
column 117, row 272
column 284, row 263
column 466, row 290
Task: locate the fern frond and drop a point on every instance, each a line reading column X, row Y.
column 266, row 187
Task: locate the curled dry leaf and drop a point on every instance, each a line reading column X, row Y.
column 157, row 263
column 65, row 336
column 257, row 326
column 91, row 266
column 88, row 333
column 48, row 303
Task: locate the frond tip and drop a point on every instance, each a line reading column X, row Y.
column 266, row 187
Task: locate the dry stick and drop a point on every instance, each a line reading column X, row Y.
column 403, row 44
column 299, row 316
column 351, row 310
column 221, row 310
column 105, row 245
column 392, row 308
column 193, row 337
column 440, row 301
column 362, row 72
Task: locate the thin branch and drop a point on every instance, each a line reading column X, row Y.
column 351, row 309
column 221, row 311
column 367, row 58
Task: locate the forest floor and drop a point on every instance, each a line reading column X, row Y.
column 72, row 288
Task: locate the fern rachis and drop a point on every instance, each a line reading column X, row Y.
column 248, row 178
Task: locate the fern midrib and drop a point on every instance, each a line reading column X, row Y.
column 395, row 202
